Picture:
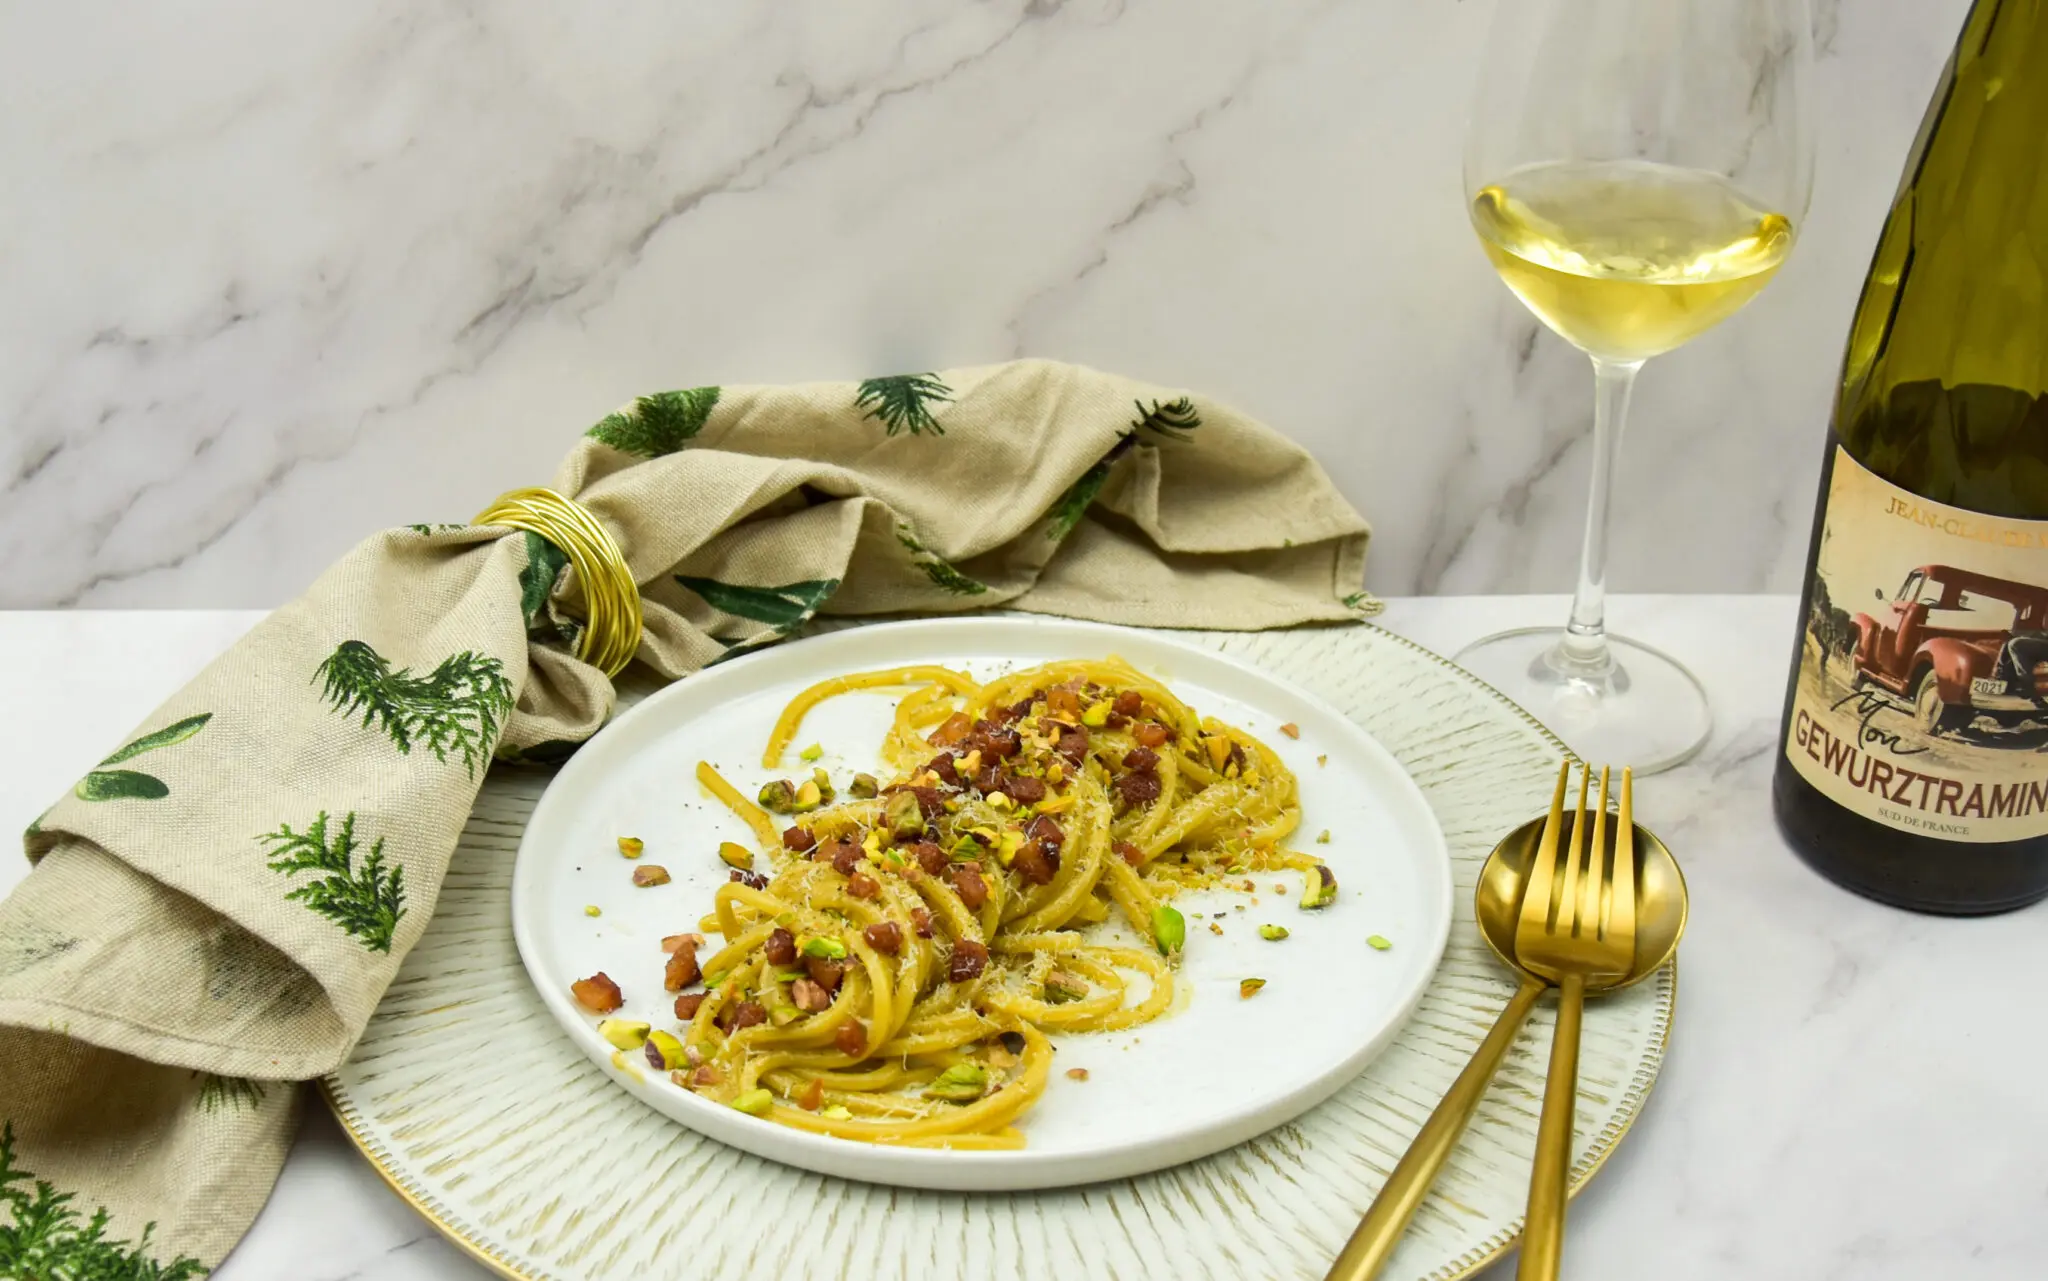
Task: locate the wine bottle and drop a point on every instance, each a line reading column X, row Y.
column 1914, row 767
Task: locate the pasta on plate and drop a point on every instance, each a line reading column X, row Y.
column 895, row 958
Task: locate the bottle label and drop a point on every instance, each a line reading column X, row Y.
column 1922, row 700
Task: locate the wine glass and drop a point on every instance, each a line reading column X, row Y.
column 1636, row 170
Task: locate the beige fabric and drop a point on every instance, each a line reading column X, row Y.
column 219, row 906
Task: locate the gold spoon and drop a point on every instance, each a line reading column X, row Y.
column 1660, row 919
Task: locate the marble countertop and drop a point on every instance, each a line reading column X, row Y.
column 282, row 273
column 1850, row 1093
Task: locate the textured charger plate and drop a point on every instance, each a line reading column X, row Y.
column 471, row 1102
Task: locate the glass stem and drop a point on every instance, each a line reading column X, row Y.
column 1585, row 637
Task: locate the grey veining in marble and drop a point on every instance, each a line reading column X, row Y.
column 277, row 275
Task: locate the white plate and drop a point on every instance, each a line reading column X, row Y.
column 1213, row 1073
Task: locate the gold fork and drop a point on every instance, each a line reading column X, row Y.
column 1577, row 923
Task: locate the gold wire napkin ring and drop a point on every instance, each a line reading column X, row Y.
column 611, row 630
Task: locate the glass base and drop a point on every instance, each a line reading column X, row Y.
column 1618, row 704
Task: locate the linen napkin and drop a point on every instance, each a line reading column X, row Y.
column 218, row 906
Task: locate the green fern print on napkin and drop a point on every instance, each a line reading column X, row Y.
column 1173, row 419
column 234, row 1092
column 783, row 608
column 42, row 1235
column 658, row 424
column 366, row 902
column 105, row 784
column 904, row 400
column 936, row 567
column 1170, row 419
column 459, row 706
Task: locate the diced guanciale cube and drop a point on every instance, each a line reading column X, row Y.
column 969, row 959
column 598, row 993
column 1138, row 788
column 967, row 883
column 885, row 937
column 929, row 857
column 682, row 968
column 826, row 974
column 852, row 1039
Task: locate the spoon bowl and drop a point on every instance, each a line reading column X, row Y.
column 1661, row 899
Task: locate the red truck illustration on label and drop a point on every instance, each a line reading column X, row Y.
column 1958, row 646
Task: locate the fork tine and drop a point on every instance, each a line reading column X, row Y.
column 1622, row 927
column 1536, row 898
column 1569, row 913
column 1599, row 906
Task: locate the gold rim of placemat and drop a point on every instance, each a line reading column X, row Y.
column 612, row 621
column 1472, row 1261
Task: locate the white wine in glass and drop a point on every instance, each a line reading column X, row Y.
column 1636, row 173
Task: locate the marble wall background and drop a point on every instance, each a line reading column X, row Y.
column 272, row 276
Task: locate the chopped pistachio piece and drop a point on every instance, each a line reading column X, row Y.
column 903, row 816
column 1320, row 887
column 961, row 1083
column 790, row 975
column 1169, row 929
column 1379, row 942
column 1097, row 715
column 864, row 787
column 754, row 1102
column 826, row 792
column 813, row 752
column 999, row 801
column 650, row 874
column 824, row 949
column 781, row 1010
column 809, row 795
column 1055, row 773
column 664, row 1051
column 1062, row 987
column 1322, row 760
column 1008, row 845
column 631, row 846
column 1246, row 987
column 837, row 1112
column 734, row 854
column 1218, row 746
column 778, row 797
column 627, row 1034
column 1272, row 933
column 1323, row 837
column 593, row 910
